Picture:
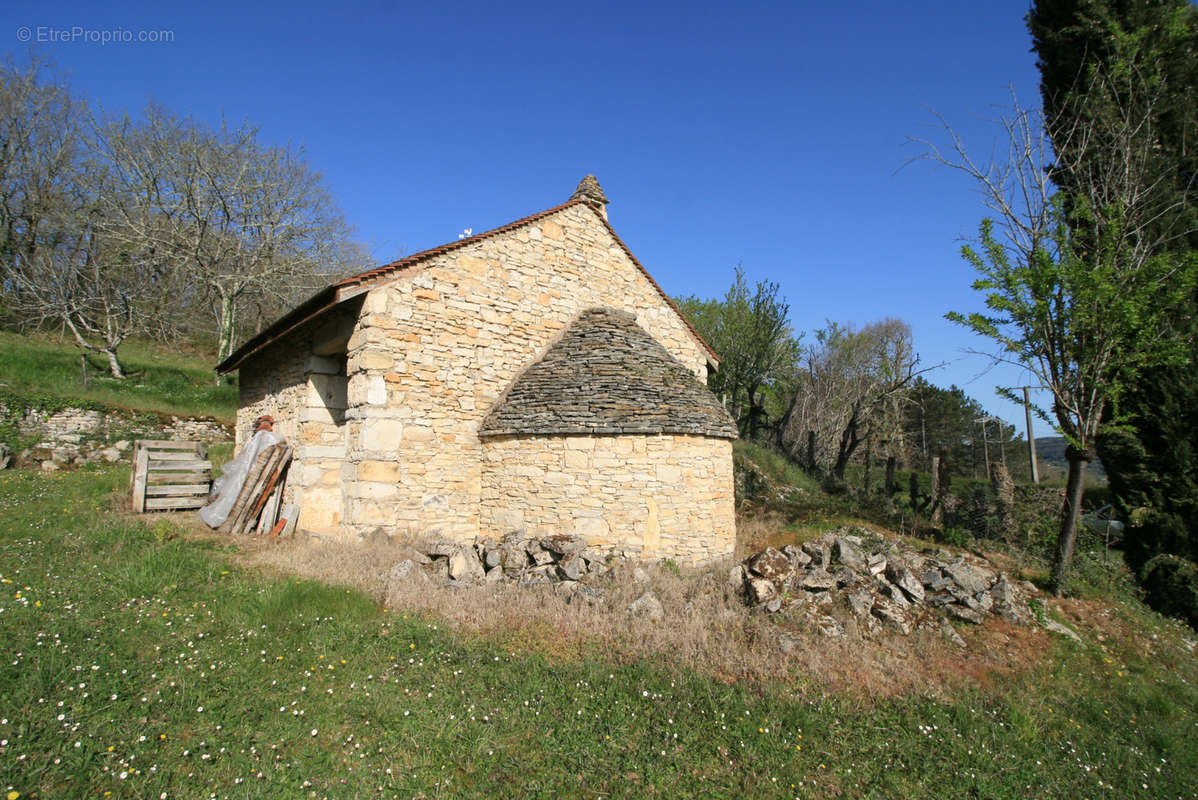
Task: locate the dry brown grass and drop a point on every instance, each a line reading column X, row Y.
column 755, row 531
column 705, row 627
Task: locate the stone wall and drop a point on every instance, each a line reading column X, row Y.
column 435, row 349
column 666, row 496
column 306, row 394
column 65, row 425
column 83, row 436
column 75, row 425
column 274, row 384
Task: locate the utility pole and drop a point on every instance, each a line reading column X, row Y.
column 1031, row 440
column 985, row 445
column 1002, row 440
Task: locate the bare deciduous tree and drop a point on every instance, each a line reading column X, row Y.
column 118, row 227
column 851, row 390
column 243, row 220
column 57, row 265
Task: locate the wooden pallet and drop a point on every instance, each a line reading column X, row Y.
column 169, row 476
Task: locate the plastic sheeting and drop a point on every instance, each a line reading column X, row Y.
column 226, row 488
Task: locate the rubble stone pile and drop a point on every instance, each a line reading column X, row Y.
column 856, row 578
column 561, row 560
column 850, row 582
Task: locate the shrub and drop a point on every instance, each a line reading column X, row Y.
column 1152, row 531
column 954, row 537
column 1171, row 587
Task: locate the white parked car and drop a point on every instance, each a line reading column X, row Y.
column 1103, row 523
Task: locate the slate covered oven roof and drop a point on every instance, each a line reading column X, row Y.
column 588, row 194
column 607, row 375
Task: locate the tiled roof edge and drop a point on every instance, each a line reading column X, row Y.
column 342, row 290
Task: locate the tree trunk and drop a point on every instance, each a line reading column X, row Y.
column 226, row 322
column 784, row 424
column 945, row 473
column 891, row 488
column 936, row 490
column 114, row 366
column 1067, row 538
column 848, row 445
column 869, row 457
column 1004, row 500
column 923, row 433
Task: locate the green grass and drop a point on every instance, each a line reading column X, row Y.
column 141, row 663
column 42, row 370
column 775, row 465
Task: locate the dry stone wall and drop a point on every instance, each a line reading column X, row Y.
column 642, row 496
column 74, row 425
column 77, row 436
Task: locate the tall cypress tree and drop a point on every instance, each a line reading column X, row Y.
column 1096, row 57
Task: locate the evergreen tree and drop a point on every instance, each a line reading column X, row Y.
column 1093, row 55
column 938, row 420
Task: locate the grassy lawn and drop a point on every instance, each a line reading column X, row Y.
column 159, row 379
column 140, row 662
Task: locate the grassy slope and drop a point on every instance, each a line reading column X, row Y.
column 160, row 379
column 141, row 663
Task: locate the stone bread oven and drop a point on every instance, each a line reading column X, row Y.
column 608, row 437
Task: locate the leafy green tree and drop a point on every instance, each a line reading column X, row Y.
column 1092, row 54
column 1079, row 287
column 757, row 347
column 1085, row 324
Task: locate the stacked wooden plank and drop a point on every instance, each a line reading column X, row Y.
column 169, row 476
column 257, row 504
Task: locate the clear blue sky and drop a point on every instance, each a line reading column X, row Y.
column 770, row 135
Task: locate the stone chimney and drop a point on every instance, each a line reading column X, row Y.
column 590, row 191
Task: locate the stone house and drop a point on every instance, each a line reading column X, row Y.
column 533, row 377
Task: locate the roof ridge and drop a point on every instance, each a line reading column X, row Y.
column 350, row 287
column 377, row 274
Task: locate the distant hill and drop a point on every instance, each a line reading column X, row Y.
column 1051, row 450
